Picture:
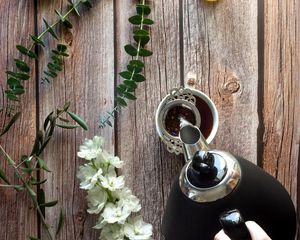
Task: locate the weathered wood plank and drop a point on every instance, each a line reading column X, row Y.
column 149, row 169
column 281, row 113
column 88, row 82
column 220, row 49
column 18, row 219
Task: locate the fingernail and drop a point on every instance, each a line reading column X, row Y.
column 234, row 225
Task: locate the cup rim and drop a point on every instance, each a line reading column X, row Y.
column 207, row 100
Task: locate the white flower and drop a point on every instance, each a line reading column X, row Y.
column 110, row 159
column 115, row 213
column 91, row 148
column 100, row 223
column 88, row 176
column 96, row 200
column 128, row 200
column 111, row 181
column 112, row 232
column 137, row 229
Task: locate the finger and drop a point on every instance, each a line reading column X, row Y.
column 256, row 232
column 221, row 236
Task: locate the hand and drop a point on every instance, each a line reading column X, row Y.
column 256, row 232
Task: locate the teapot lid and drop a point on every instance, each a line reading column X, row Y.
column 208, row 175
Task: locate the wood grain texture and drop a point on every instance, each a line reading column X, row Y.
column 149, row 169
column 87, row 81
column 281, row 113
column 16, row 21
column 220, row 50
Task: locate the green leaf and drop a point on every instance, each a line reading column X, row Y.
column 33, row 238
column 119, row 90
column 129, row 96
column 142, row 40
column 136, row 20
column 87, row 3
column 37, row 40
column 66, row 106
column 29, row 189
column 22, row 65
column 11, row 123
column 60, row 221
column 41, row 200
column 131, row 84
column 43, row 165
column 61, row 47
column 4, row 177
column 18, row 75
column 26, row 51
column 126, row 74
column 137, row 63
column 143, row 9
column 131, row 50
column 50, row 74
column 140, row 32
column 38, row 183
column 148, row 21
column 138, row 78
column 66, row 126
column 50, row 30
column 54, row 67
column 17, row 91
column 56, row 59
column 12, row 97
column 145, row 53
column 13, row 82
column 133, row 68
column 79, row 120
column 121, row 102
column 49, row 204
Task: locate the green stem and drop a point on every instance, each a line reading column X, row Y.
column 54, row 24
column 9, row 186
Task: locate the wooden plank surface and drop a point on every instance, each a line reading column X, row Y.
column 220, row 50
column 88, row 83
column 215, row 43
column 149, row 169
column 17, row 220
column 281, row 113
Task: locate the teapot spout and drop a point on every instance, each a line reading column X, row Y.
column 192, row 139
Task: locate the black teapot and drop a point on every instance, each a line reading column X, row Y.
column 214, row 184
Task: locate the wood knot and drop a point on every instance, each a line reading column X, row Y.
column 68, row 37
column 80, row 216
column 232, row 86
column 191, row 82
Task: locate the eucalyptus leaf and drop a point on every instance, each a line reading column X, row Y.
column 131, row 50
column 129, row 96
column 30, row 190
column 143, row 40
column 43, row 165
column 87, row 3
column 79, row 120
column 126, row 74
column 145, row 53
column 21, row 65
column 67, row 126
column 136, row 20
column 14, row 118
column 13, row 82
column 140, row 32
column 143, row 9
column 61, row 47
column 39, row 182
column 60, row 221
column 49, row 204
column 12, row 97
column 50, row 30
column 4, row 177
column 130, row 83
column 37, row 40
column 148, row 21
column 26, row 51
column 41, row 200
column 121, row 102
column 138, row 78
column 137, row 63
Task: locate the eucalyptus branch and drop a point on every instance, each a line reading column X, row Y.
column 132, row 76
column 15, row 79
column 34, row 163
